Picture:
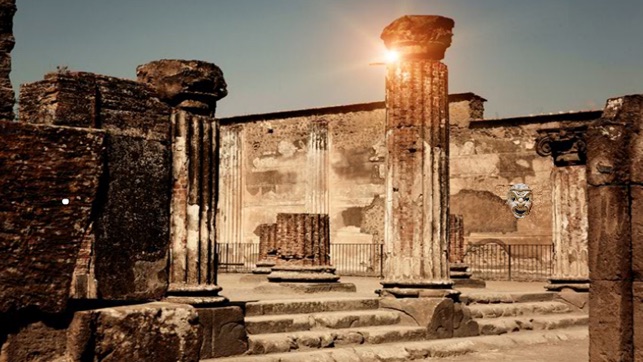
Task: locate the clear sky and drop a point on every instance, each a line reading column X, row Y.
column 524, row 56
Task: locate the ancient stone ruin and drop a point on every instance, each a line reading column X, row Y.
column 122, row 202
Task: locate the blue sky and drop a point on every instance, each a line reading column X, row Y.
column 524, row 56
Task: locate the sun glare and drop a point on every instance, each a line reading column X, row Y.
column 392, row 56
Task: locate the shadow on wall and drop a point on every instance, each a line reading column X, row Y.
column 483, row 211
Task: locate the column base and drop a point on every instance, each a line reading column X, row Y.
column 461, row 277
column 303, row 274
column 418, row 289
column 557, row 284
column 263, row 267
column 195, row 294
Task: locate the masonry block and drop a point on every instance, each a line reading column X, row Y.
column 610, row 321
column 224, row 332
column 609, row 240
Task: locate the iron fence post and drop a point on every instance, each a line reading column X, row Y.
column 509, row 248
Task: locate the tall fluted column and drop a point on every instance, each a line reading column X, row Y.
column 317, row 198
column 193, row 88
column 230, row 192
column 417, row 179
column 569, row 200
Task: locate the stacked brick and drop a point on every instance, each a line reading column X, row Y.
column 456, row 238
column 7, row 97
column 303, row 252
column 267, row 248
column 615, row 213
column 50, row 179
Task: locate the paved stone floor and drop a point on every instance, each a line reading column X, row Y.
column 564, row 351
column 239, row 287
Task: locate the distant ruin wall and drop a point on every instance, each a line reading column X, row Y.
column 486, row 157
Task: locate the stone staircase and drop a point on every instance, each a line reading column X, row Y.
column 347, row 328
column 505, row 313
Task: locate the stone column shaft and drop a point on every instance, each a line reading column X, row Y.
column 569, row 201
column 192, row 233
column 317, row 198
column 268, row 248
column 417, row 137
column 230, row 191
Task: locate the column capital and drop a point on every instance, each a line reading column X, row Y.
column 419, row 36
column 192, row 85
column 567, row 146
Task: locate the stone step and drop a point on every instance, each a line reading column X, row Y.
column 486, row 297
column 326, row 338
column 302, row 305
column 496, row 326
column 498, row 310
column 332, row 320
column 419, row 350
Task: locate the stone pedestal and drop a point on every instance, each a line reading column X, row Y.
column 302, row 260
column 569, row 200
column 267, row 248
column 567, row 148
column 417, row 177
column 194, row 88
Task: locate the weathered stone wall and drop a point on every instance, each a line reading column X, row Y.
column 49, row 188
column 128, row 256
column 7, row 97
column 486, row 157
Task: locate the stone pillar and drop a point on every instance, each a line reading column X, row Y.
column 569, row 200
column 302, row 260
column 417, row 179
column 230, row 192
column 7, row 41
column 267, row 248
column 615, row 212
column 317, row 198
column 193, row 87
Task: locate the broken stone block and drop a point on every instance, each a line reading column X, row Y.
column 36, row 341
column 48, row 190
column 146, row 332
column 224, row 332
column 609, row 242
column 610, row 321
column 436, row 314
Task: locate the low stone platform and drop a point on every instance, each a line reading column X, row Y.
column 305, row 288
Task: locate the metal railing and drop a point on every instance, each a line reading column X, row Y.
column 348, row 259
column 498, row 261
column 487, row 261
